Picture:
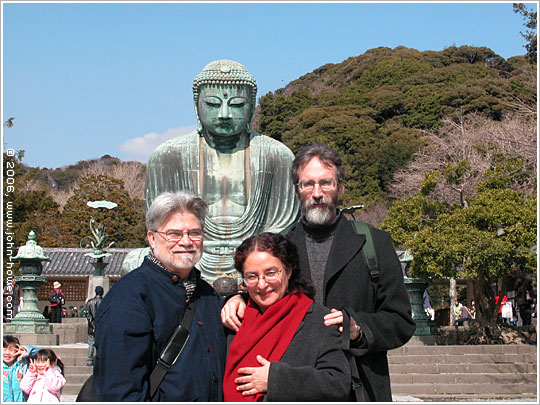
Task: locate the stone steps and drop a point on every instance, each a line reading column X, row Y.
column 485, row 358
column 451, row 373
column 419, row 390
column 463, row 349
column 426, row 373
column 464, row 378
column 396, row 369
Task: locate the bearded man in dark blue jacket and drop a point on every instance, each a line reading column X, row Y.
column 139, row 314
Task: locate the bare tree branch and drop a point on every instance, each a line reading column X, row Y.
column 471, row 146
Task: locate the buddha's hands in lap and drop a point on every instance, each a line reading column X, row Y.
column 232, row 312
column 254, row 380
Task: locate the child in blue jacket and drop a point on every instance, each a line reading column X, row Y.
column 15, row 363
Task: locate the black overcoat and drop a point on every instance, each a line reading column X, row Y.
column 382, row 310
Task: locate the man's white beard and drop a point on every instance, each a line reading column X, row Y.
column 182, row 263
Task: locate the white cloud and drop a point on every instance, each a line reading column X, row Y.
column 140, row 148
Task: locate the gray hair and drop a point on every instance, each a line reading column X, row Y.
column 325, row 154
column 166, row 204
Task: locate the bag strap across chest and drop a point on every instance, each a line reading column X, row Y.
column 368, row 250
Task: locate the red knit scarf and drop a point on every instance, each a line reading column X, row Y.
column 268, row 335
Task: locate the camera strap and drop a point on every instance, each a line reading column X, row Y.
column 174, row 346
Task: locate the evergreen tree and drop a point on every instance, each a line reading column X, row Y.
column 530, row 35
column 123, row 224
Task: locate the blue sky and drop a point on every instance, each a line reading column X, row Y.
column 85, row 80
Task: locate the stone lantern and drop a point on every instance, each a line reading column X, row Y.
column 415, row 288
column 29, row 319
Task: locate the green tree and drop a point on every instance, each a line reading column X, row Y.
column 474, row 178
column 530, row 35
column 275, row 110
column 467, row 244
column 124, row 224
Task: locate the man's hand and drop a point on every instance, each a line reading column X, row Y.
column 335, row 317
column 232, row 312
column 255, row 379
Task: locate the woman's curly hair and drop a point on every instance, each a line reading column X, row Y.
column 282, row 249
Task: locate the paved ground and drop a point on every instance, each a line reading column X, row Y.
column 71, row 398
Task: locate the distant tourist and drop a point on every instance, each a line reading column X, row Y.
column 44, row 379
column 90, row 310
column 46, row 314
column 427, row 306
column 461, row 314
column 57, row 300
column 472, row 309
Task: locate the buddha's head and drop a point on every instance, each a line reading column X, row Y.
column 224, row 94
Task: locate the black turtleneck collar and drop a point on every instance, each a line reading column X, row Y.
column 319, row 232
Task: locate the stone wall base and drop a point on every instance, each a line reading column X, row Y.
column 71, row 330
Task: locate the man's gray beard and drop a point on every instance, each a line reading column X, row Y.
column 318, row 216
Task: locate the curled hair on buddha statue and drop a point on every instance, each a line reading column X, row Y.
column 282, row 249
column 224, row 72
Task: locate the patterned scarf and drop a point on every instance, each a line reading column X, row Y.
column 267, row 334
column 189, row 284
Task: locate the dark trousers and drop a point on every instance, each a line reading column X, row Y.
column 91, row 342
column 56, row 314
column 525, row 313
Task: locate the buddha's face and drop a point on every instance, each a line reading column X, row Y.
column 224, row 110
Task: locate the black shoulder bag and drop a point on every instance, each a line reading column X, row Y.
column 168, row 356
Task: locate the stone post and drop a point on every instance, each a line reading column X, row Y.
column 97, row 241
column 416, row 287
column 29, row 319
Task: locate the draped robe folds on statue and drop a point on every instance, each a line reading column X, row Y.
column 271, row 206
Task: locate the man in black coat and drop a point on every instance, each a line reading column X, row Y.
column 378, row 311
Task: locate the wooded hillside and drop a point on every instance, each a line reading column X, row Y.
column 374, row 108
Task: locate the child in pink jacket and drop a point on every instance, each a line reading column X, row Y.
column 44, row 380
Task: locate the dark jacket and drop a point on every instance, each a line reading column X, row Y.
column 91, row 310
column 383, row 311
column 133, row 324
column 56, row 297
column 314, row 367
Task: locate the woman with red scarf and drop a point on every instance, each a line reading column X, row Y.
column 283, row 351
